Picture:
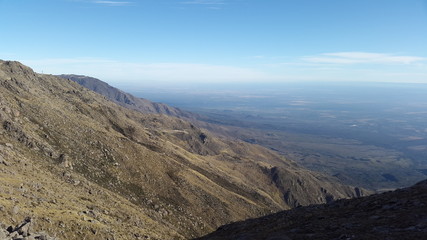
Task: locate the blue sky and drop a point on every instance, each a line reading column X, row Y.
column 174, row 41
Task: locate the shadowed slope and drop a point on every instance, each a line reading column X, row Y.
column 401, row 214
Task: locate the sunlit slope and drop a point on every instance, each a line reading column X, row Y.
column 85, row 167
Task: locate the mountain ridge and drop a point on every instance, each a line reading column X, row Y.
column 125, row 99
column 81, row 161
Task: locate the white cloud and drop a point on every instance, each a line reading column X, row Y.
column 142, row 72
column 113, row 3
column 362, row 57
column 342, row 66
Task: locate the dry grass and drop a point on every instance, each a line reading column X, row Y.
column 94, row 170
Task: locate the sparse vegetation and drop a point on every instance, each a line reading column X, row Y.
column 84, row 167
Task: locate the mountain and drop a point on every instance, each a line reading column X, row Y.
column 82, row 167
column 126, row 99
column 401, row 214
column 346, row 156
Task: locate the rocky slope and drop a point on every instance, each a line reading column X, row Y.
column 21, row 231
column 83, row 167
column 126, row 99
column 401, row 214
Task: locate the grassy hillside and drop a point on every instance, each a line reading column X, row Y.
column 84, row 167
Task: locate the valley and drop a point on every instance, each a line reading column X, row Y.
column 368, row 134
column 213, row 119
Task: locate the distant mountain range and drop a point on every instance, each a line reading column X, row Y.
column 85, row 167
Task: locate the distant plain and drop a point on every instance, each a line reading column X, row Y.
column 368, row 134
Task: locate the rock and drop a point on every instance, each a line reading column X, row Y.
column 42, row 237
column 4, row 162
column 22, row 231
column 61, row 224
column 25, row 227
column 15, row 210
column 16, row 113
column 3, row 234
column 14, row 236
column 29, row 238
column 65, row 162
column 7, row 110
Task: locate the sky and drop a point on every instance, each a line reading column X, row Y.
column 216, row 41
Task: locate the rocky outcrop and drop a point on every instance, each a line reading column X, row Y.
column 22, row 231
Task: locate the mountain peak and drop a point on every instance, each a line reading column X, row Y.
column 16, row 67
